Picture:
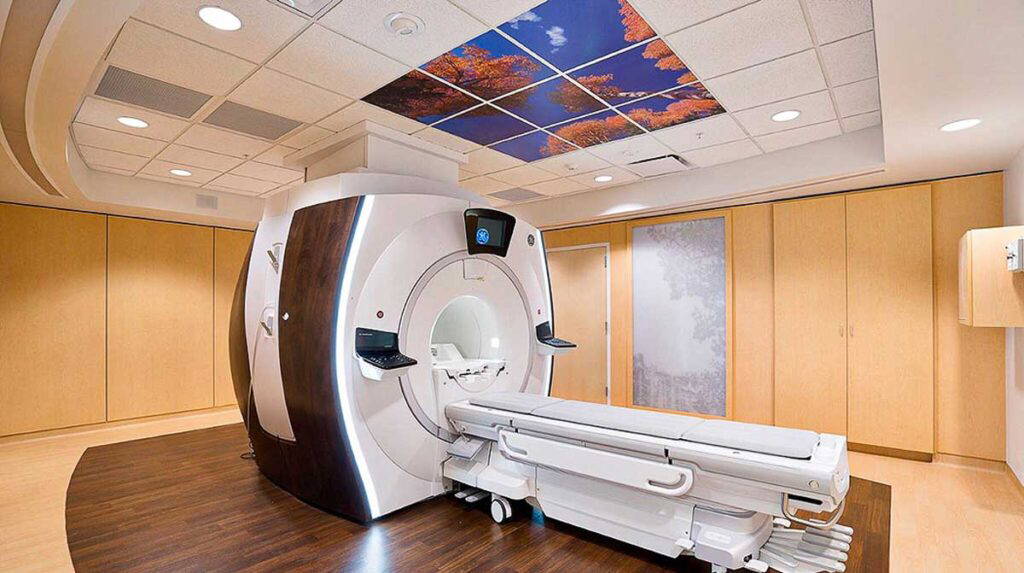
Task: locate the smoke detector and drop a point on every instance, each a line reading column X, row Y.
column 403, row 24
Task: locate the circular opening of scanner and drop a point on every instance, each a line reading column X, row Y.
column 466, row 329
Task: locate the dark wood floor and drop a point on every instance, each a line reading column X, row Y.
column 187, row 502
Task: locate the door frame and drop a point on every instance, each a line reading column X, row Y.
column 607, row 308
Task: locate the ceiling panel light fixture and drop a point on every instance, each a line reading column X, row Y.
column 603, row 178
column 219, row 18
column 961, row 124
column 181, row 172
column 402, row 24
column 788, row 115
column 132, row 122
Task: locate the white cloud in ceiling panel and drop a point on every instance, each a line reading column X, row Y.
column 283, row 95
column 237, row 183
column 572, row 163
column 725, row 153
column 94, row 156
column 667, row 16
column 199, row 157
column 850, row 60
column 557, row 187
column 751, row 35
column 779, row 79
column 702, row 133
column 362, row 111
column 306, row 137
column 265, row 27
column 484, row 185
column 444, row 27
column 115, row 140
column 813, row 108
column 104, row 113
column 619, row 176
column 798, row 136
column 862, row 121
column 224, row 142
column 629, row 150
column 836, row 19
column 160, row 168
column 523, row 175
column 266, row 172
column 496, row 12
column 159, row 54
column 857, row 98
column 487, row 160
column 445, row 139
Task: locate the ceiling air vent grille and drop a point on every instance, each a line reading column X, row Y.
column 659, row 165
column 206, row 201
column 516, row 194
column 244, row 119
column 150, row 93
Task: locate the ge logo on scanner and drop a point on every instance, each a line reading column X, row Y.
column 482, row 236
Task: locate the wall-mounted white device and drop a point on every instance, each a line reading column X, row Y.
column 1014, row 258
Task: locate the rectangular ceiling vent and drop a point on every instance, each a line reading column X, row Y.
column 150, row 93
column 206, row 201
column 244, row 119
column 659, row 165
column 516, row 194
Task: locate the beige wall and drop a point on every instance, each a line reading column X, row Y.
column 107, row 318
column 1014, row 215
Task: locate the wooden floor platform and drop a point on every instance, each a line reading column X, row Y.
column 188, row 502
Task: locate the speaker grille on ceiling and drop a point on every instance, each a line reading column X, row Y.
column 516, row 194
column 150, row 93
column 245, row 119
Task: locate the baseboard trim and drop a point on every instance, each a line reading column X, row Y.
column 101, row 426
column 890, row 452
column 1013, row 478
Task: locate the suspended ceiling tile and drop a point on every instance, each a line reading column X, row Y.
column 160, row 168
column 143, row 91
column 772, row 81
column 463, row 174
column 862, row 121
column 523, row 175
column 484, row 125
column 551, row 102
column 667, row 16
column 857, row 98
column 679, row 106
column 265, row 27
column 488, row 66
column 361, row 111
column 184, row 181
column 221, row 141
column 274, row 156
column 495, row 12
column 724, row 153
column 798, row 136
column 703, row 133
column 104, row 113
column 834, row 19
column 332, row 61
column 516, row 194
column 198, row 157
column 159, row 54
column 265, row 172
column 446, row 139
column 251, row 121
column 536, row 145
column 496, row 202
column 485, row 160
column 657, row 167
column 484, row 185
column 557, row 187
column 629, row 150
column 572, row 163
column 444, row 27
column 850, row 60
column 813, row 108
column 307, row 7
column 751, row 35
column 635, row 73
column 239, row 183
column 96, row 157
column 114, row 170
column 306, row 137
column 619, row 176
column 418, row 96
column 115, row 140
column 592, row 130
column 283, row 95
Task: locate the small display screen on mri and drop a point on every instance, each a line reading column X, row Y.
column 488, row 231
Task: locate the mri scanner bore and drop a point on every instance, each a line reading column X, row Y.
column 396, row 340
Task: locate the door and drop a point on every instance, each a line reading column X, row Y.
column 810, row 314
column 891, row 318
column 579, row 288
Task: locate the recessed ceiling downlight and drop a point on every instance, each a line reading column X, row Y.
column 132, row 122
column 961, row 124
column 788, row 115
column 219, row 18
column 603, row 178
column 403, row 24
column 181, row 172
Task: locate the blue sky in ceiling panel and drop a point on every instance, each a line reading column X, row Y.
column 568, row 33
column 685, row 104
column 550, row 102
column 488, row 66
column 420, row 97
column 635, row 73
column 596, row 129
column 484, row 125
column 533, row 146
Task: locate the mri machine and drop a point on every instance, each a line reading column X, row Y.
column 392, row 341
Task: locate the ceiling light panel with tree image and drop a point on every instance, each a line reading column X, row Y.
column 567, row 74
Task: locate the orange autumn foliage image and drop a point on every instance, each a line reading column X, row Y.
column 477, row 72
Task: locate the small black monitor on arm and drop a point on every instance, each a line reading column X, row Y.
column 547, row 337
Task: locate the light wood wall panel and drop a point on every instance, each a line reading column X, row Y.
column 230, row 248
column 810, row 314
column 970, row 391
column 160, row 332
column 579, row 284
column 52, row 318
column 753, row 316
column 891, row 336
